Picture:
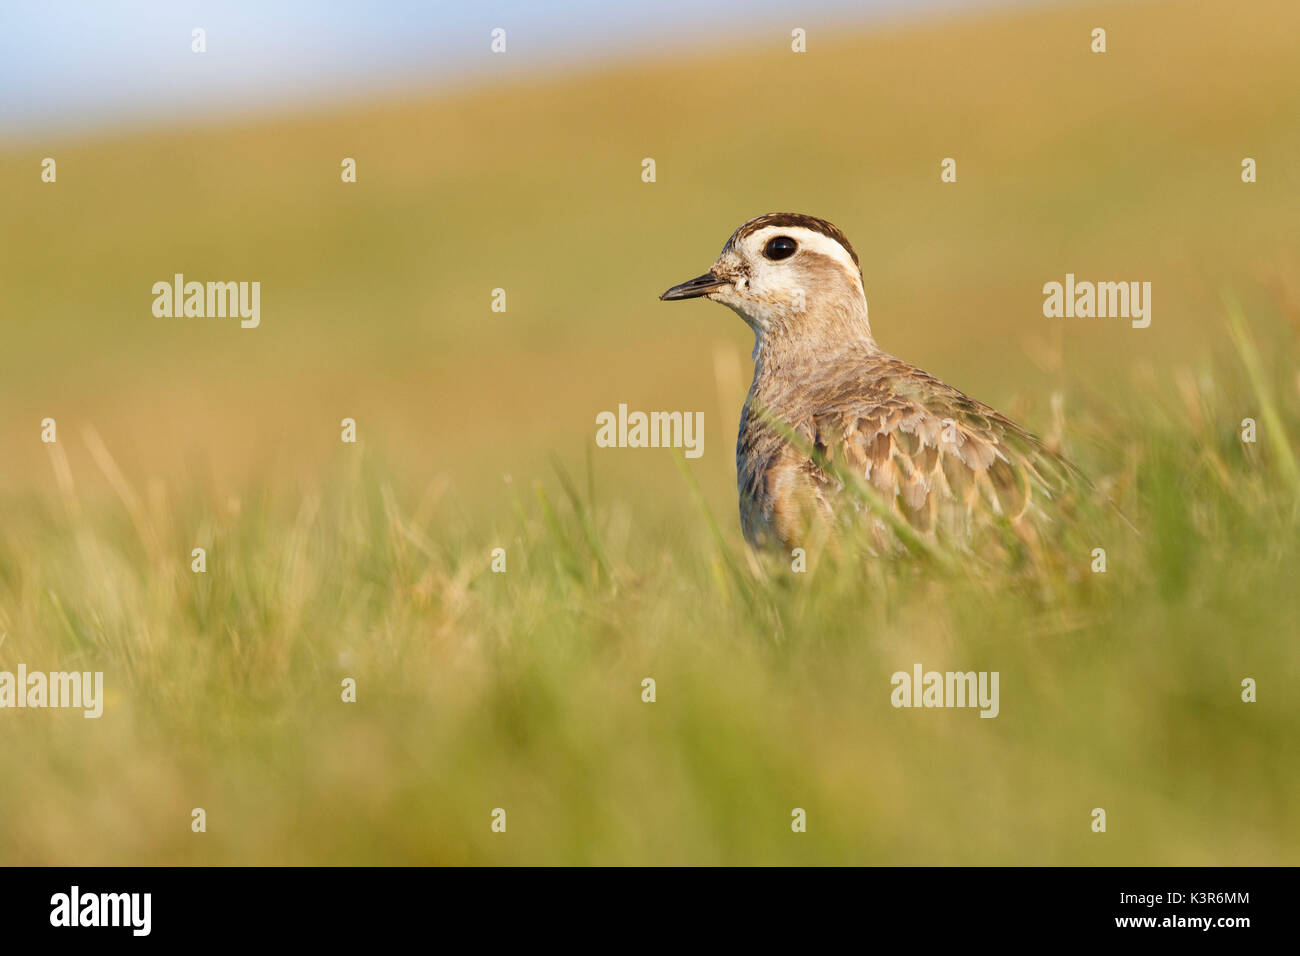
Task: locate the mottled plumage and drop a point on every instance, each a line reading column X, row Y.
column 827, row 402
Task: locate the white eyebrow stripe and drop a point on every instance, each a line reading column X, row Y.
column 811, row 240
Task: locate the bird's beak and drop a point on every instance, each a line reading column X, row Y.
column 701, row 285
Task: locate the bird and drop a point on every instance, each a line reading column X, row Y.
column 838, row 434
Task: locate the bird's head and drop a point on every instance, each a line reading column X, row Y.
column 786, row 275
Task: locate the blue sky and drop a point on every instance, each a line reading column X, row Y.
column 70, row 64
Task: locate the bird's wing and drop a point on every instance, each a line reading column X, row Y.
column 940, row 459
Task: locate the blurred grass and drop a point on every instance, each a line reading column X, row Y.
column 480, row 690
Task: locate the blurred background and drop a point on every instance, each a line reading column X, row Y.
column 522, row 171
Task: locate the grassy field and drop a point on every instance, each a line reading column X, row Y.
column 523, row 690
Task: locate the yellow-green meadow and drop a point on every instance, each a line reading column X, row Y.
column 524, row 689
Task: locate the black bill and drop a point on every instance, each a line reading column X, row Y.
column 700, row 285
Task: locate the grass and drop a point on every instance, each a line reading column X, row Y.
column 523, row 690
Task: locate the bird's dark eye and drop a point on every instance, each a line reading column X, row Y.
column 780, row 247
